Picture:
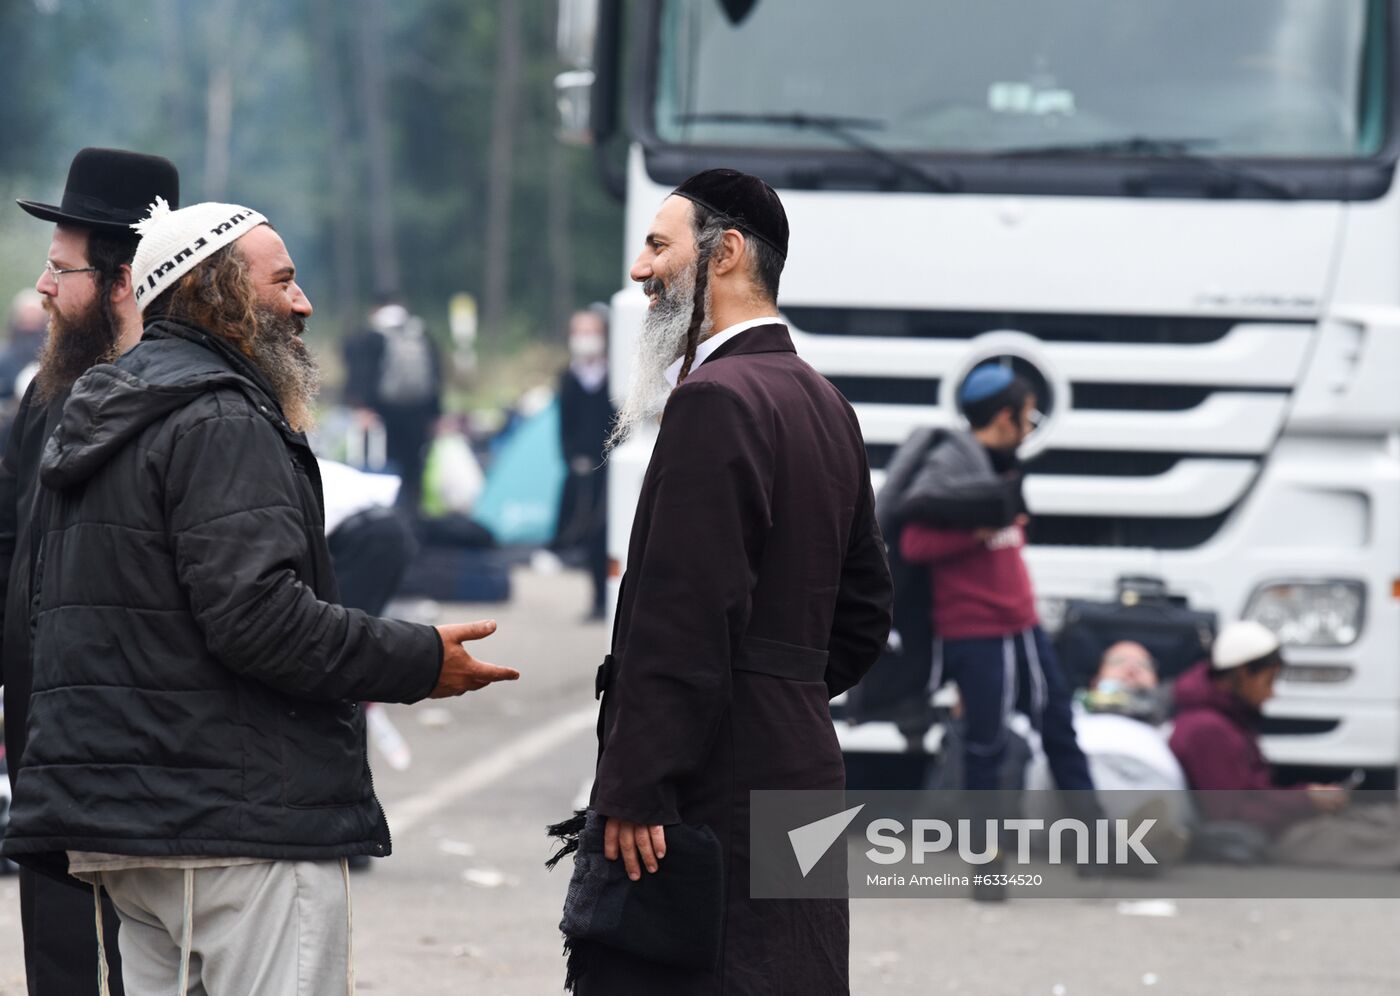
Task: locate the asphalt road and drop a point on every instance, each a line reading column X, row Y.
column 465, row 906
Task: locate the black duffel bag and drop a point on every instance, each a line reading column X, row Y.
column 1175, row 634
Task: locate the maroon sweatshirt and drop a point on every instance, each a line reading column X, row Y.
column 981, row 587
column 1216, row 742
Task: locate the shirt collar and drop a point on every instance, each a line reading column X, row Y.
column 706, row 348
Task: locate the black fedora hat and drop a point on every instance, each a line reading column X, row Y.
column 110, row 189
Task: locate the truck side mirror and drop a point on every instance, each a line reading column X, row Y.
column 737, row 10
column 573, row 93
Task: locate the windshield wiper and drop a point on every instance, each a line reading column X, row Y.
column 841, row 129
column 1134, row 145
column 1177, row 151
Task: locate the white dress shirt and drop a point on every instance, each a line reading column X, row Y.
column 706, row 348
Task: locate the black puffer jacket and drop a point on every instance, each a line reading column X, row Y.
column 195, row 688
column 19, row 490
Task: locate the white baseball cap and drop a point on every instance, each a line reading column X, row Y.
column 1240, row 643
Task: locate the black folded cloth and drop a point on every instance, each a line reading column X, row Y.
column 674, row 916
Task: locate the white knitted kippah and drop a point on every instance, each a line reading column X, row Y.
column 174, row 242
column 1242, row 642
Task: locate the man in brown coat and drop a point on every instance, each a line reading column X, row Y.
column 757, row 589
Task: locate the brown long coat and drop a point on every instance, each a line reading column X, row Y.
column 757, row 589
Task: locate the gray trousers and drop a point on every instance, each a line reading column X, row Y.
column 278, row 928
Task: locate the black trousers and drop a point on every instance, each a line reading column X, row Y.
column 407, row 431
column 583, row 525
column 370, row 552
column 60, row 938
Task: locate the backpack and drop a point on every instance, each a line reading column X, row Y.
column 896, row 688
column 406, row 370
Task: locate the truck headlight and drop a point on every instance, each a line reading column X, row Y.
column 1310, row 613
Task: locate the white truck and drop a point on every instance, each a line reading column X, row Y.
column 1180, row 220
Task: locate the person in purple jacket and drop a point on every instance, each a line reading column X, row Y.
column 1216, row 739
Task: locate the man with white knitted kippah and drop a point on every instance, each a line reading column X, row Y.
column 1219, row 705
column 197, row 748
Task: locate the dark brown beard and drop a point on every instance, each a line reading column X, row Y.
column 282, row 356
column 75, row 343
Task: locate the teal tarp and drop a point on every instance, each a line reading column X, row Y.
column 520, row 503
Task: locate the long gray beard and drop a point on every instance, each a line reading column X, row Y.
column 282, row 356
column 660, row 344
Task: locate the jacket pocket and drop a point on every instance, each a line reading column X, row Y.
column 325, row 763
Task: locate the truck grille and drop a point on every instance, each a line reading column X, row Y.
column 904, row 324
column 1169, row 421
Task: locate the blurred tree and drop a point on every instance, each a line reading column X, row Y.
column 500, row 189
column 24, row 80
column 563, row 297
column 384, row 252
column 274, row 107
column 218, row 101
column 180, row 108
column 339, row 163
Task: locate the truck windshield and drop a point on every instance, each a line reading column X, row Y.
column 1278, row 79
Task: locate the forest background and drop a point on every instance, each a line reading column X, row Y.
column 401, row 147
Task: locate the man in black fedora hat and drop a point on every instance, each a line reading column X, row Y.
column 87, row 293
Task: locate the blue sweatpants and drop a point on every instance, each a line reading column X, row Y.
column 1000, row 675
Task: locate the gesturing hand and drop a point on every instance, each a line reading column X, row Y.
column 461, row 672
column 628, row 839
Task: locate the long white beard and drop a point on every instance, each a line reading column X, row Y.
column 660, row 344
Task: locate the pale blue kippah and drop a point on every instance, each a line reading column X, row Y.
column 985, row 381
